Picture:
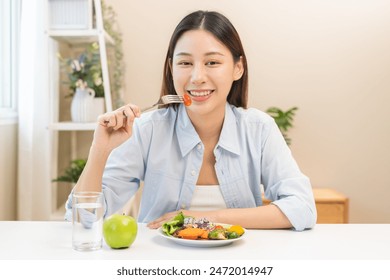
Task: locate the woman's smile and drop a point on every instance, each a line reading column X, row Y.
column 200, row 95
column 204, row 68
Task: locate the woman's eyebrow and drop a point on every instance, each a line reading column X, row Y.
column 206, row 54
column 214, row 53
column 183, row 54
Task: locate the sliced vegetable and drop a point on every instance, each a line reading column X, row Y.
column 236, row 228
column 171, row 226
column 232, row 235
column 191, row 233
column 217, row 234
column 188, row 227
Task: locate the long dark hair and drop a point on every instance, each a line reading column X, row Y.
column 218, row 25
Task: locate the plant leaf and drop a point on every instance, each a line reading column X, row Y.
column 283, row 120
column 73, row 172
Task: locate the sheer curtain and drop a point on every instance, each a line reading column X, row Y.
column 34, row 188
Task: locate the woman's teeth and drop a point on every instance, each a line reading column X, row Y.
column 200, row 93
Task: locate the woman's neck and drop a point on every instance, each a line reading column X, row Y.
column 209, row 126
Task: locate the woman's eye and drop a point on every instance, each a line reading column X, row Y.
column 212, row 63
column 184, row 63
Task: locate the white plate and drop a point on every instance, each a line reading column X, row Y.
column 199, row 242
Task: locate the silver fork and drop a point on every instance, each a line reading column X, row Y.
column 165, row 99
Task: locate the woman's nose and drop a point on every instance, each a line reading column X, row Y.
column 198, row 74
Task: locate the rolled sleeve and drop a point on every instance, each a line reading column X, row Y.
column 296, row 201
column 284, row 183
column 68, row 209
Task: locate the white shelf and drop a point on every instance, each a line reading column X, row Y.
column 72, row 126
column 74, row 37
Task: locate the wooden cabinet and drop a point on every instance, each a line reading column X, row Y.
column 332, row 206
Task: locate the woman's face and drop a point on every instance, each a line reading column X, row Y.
column 204, row 68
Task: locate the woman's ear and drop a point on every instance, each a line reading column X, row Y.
column 238, row 69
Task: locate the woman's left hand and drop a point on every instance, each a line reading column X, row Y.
column 164, row 218
column 168, row 216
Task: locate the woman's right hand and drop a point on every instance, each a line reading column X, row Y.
column 115, row 127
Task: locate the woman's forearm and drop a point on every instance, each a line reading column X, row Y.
column 113, row 129
column 262, row 217
column 91, row 177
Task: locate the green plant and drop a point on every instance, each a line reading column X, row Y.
column 89, row 74
column 73, row 172
column 85, row 71
column 283, row 120
column 111, row 27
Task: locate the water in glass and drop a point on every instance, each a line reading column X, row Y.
column 87, row 221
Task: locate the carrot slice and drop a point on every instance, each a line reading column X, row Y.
column 191, row 233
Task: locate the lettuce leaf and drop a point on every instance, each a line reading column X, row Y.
column 172, row 225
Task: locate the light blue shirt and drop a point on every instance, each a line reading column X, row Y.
column 166, row 153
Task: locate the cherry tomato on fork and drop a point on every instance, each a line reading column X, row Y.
column 187, row 100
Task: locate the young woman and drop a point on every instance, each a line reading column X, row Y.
column 208, row 159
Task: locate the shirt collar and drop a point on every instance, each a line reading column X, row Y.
column 229, row 134
column 188, row 138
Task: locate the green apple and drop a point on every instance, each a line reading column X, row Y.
column 120, row 231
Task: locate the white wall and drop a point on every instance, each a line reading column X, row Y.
column 329, row 58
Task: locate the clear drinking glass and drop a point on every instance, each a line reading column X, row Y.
column 87, row 209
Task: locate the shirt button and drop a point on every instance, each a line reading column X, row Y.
column 193, row 172
column 199, row 146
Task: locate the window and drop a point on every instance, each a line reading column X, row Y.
column 9, row 19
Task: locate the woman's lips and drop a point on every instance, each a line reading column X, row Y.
column 199, row 92
column 200, row 95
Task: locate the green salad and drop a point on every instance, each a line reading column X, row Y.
column 174, row 224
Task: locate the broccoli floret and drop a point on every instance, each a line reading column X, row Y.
column 217, row 234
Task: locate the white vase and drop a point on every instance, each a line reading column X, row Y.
column 82, row 105
column 98, row 108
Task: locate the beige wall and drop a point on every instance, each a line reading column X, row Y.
column 8, row 171
column 329, row 58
